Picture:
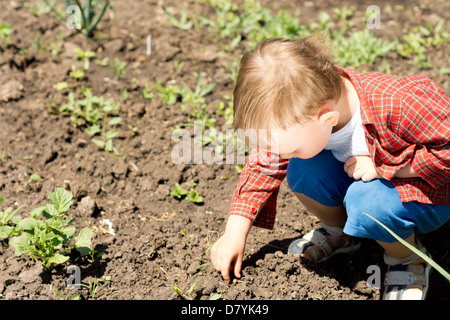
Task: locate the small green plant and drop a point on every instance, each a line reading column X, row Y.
column 169, row 94
column 147, row 94
column 183, row 23
column 178, row 192
column 35, row 178
column 3, row 154
column 187, row 294
column 95, row 285
column 97, row 115
column 91, row 13
column 77, row 74
column 5, row 31
column 416, row 43
column 103, row 62
column 84, row 56
column 47, row 239
column 73, row 297
column 119, row 68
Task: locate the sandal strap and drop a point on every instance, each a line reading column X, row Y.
column 404, row 278
column 316, row 237
column 336, row 231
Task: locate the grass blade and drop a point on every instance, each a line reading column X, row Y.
column 414, row 249
column 90, row 28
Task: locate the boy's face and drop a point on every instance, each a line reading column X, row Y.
column 304, row 140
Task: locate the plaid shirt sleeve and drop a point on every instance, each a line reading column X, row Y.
column 256, row 194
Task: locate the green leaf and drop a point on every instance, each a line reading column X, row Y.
column 99, row 143
column 61, row 85
column 37, row 211
column 114, row 121
column 414, row 249
column 194, row 197
column 5, row 232
column 109, row 145
column 111, row 134
column 177, row 290
column 50, row 211
column 27, row 224
column 22, row 244
column 178, row 191
column 93, row 130
column 58, row 259
column 62, row 200
column 84, row 241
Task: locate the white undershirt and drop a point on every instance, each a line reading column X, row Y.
column 349, row 141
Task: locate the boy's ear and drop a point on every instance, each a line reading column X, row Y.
column 330, row 117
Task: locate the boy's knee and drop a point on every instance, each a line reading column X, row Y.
column 375, row 196
column 380, row 200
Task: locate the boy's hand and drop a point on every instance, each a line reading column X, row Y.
column 361, row 167
column 228, row 252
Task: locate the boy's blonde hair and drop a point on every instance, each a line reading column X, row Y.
column 284, row 82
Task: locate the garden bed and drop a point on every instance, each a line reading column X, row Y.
column 160, row 245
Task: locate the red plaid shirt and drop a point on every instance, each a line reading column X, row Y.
column 406, row 121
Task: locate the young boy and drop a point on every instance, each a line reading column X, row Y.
column 349, row 143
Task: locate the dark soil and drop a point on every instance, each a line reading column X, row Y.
column 160, row 241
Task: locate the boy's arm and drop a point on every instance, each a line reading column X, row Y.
column 407, row 172
column 256, row 194
column 426, row 123
column 421, row 120
column 253, row 202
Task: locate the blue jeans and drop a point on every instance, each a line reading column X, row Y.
column 323, row 179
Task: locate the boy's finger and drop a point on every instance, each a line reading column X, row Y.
column 237, row 268
column 226, row 274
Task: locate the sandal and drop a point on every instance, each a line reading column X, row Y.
column 318, row 246
column 401, row 283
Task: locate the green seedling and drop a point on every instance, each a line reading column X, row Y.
column 415, row 44
column 169, row 94
column 35, row 178
column 3, row 154
column 147, row 94
column 5, row 31
column 84, row 56
column 124, row 94
column 90, row 13
column 178, row 192
column 77, row 74
column 188, row 293
column 119, row 68
column 196, row 97
column 38, row 8
column 100, row 117
column 46, row 234
column 74, row 297
column 61, row 85
column 103, row 62
column 183, row 23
